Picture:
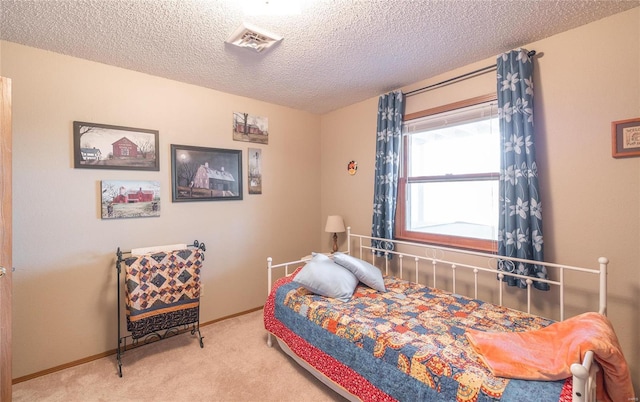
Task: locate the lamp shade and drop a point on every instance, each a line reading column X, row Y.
column 335, row 224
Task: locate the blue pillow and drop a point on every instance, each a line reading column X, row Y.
column 365, row 272
column 324, row 277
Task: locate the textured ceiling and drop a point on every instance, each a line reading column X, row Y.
column 334, row 53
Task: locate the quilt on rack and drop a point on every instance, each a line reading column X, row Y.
column 404, row 344
column 162, row 290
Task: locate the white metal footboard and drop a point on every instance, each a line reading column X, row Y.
column 584, row 379
column 584, row 375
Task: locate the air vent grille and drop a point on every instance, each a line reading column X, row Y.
column 254, row 38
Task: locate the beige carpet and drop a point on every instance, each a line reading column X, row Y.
column 234, row 365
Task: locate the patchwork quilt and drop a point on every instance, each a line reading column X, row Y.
column 405, row 344
column 162, row 290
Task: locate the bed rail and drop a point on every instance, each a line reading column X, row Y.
column 443, row 257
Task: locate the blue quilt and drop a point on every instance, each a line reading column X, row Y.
column 409, row 342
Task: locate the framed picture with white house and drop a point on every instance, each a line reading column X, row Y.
column 205, row 174
column 103, row 146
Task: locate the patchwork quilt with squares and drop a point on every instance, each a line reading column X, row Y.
column 162, row 290
column 407, row 342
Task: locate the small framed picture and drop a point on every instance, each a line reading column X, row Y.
column 255, row 170
column 130, row 199
column 625, row 138
column 101, row 146
column 205, row 174
column 250, row 128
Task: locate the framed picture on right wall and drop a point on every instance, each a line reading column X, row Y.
column 625, row 138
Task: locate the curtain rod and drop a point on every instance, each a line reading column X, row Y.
column 531, row 53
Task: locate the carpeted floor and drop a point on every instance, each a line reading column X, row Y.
column 234, row 365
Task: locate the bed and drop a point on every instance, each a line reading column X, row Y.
column 411, row 341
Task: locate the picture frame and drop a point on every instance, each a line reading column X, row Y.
column 254, row 161
column 250, row 128
column 129, row 199
column 104, row 146
column 625, row 138
column 205, row 174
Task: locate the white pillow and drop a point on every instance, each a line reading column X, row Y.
column 324, row 277
column 365, row 272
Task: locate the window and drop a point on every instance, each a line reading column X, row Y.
column 448, row 187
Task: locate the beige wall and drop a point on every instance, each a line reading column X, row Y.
column 584, row 79
column 65, row 278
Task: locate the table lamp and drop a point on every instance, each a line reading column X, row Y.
column 335, row 225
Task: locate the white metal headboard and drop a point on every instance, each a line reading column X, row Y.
column 440, row 256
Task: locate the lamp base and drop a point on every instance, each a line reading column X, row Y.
column 335, row 243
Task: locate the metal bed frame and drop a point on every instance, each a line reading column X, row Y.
column 584, row 374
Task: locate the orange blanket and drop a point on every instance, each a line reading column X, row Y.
column 547, row 353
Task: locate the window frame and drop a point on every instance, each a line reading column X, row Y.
column 443, row 240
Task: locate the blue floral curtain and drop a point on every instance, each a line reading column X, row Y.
column 385, row 193
column 520, row 222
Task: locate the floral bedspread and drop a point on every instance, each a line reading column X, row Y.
column 407, row 342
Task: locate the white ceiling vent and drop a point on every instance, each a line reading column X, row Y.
column 252, row 37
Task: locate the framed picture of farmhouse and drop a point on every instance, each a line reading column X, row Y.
column 205, row 174
column 102, row 146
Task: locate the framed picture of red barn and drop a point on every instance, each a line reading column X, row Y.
column 250, row 128
column 130, row 199
column 103, row 146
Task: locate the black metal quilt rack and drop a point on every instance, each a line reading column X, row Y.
column 194, row 326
